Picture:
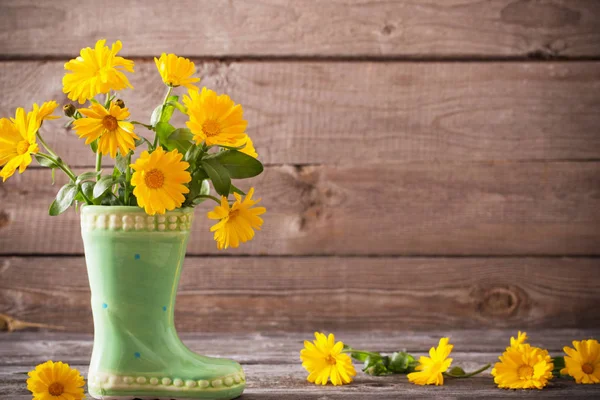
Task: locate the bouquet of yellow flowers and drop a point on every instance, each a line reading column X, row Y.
column 176, row 164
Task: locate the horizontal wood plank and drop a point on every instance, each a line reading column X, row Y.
column 288, row 382
column 420, row 208
column 274, row 371
column 312, row 28
column 350, row 113
column 34, row 347
column 315, row 293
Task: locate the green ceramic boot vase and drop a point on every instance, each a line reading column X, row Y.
column 134, row 261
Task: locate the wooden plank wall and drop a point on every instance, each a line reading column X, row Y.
column 428, row 164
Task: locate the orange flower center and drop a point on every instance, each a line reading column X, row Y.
column 233, row 213
column 525, row 372
column 110, row 123
column 587, row 368
column 172, row 80
column 211, row 128
column 154, row 179
column 56, row 389
column 330, row 360
column 22, row 147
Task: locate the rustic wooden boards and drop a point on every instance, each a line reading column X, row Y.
column 422, row 171
column 260, row 294
column 420, row 208
column 373, row 112
column 308, row 28
column 273, row 369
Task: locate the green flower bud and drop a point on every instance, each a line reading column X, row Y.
column 120, row 103
column 69, row 110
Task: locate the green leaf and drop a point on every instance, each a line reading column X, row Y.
column 163, row 131
column 64, row 199
column 179, row 139
column 87, row 176
column 239, row 165
column 163, row 113
column 218, row 175
column 178, row 106
column 156, row 114
column 88, row 188
column 402, row 362
column 376, row 366
column 236, row 190
column 44, row 162
column 121, row 163
column 232, row 147
column 559, row 363
column 103, row 185
column 457, row 371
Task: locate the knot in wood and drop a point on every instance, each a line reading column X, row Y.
column 499, row 302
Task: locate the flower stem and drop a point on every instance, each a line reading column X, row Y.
column 60, row 165
column 98, row 163
column 167, row 95
column 52, row 153
column 58, row 162
column 208, row 196
column 163, row 108
column 144, row 125
column 363, row 352
column 470, row 374
column 127, row 179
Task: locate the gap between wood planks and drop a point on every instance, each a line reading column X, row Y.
column 533, row 56
column 327, row 255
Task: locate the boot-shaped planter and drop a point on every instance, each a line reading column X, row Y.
column 134, row 261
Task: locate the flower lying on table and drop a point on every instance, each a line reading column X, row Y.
column 326, row 360
column 583, row 361
column 55, row 380
column 523, row 366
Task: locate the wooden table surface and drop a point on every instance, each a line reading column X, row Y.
column 274, row 371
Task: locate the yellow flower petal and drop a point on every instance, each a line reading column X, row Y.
column 430, row 369
column 215, row 120
column 96, row 71
column 18, row 141
column 324, row 362
column 583, row 361
column 523, row 366
column 159, row 180
column 52, row 380
column 109, row 127
column 176, row 71
column 236, row 224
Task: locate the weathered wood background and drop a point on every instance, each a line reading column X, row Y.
column 428, row 164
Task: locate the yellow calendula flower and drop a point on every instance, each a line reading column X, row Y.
column 583, row 361
column 520, row 339
column 214, row 119
column 159, row 180
column 248, row 147
column 324, row 361
column 55, row 380
column 430, row 369
column 523, row 366
column 176, row 71
column 236, row 223
column 108, row 126
column 45, row 111
column 18, row 142
column 96, row 71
